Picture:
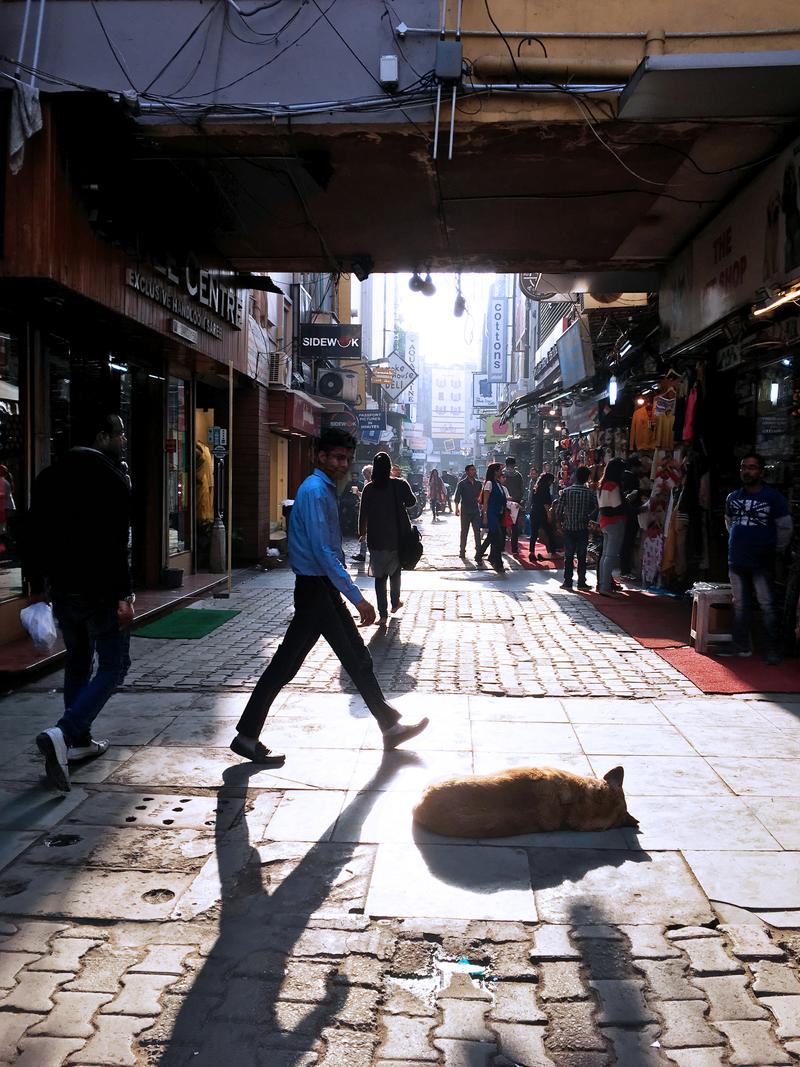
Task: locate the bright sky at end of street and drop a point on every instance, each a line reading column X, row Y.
column 443, row 338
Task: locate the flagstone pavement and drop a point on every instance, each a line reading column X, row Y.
column 180, row 906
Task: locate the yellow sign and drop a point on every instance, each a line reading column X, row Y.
column 497, row 430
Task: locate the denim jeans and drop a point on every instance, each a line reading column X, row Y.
column 497, row 542
column 745, row 581
column 613, row 537
column 89, row 626
column 575, row 544
column 394, row 587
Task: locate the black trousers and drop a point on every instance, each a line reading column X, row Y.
column 470, row 522
column 576, row 543
column 319, row 611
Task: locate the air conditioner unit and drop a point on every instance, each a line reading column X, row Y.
column 338, row 385
column 280, row 368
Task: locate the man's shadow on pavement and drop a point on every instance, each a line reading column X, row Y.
column 381, row 641
column 232, row 1008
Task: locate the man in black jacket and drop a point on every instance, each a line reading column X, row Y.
column 78, row 559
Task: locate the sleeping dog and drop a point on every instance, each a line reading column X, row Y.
column 524, row 800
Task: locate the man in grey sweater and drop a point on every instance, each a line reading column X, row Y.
column 466, row 500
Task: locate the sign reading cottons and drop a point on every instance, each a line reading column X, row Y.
column 498, row 336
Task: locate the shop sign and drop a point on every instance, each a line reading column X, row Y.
column 575, row 355
column 404, row 375
column 205, row 295
column 186, row 332
column 483, row 397
column 411, row 358
column 498, row 333
column 753, row 245
column 581, row 417
column 496, row 430
column 217, row 435
column 729, row 357
column 371, row 421
column 340, row 420
column 325, row 340
column 304, row 418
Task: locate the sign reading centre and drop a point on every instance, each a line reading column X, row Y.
column 319, row 340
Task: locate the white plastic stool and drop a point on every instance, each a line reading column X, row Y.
column 706, row 595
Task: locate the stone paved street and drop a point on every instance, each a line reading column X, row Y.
column 180, row 906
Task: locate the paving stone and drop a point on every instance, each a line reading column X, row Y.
column 515, row 1002
column 685, row 1025
column 752, row 942
column 571, row 1027
column 777, row 979
column 72, row 1015
column 460, row 986
column 407, row 1040
column 522, row 1044
column 464, row 1020
column 649, row 942
column 695, row 1057
column 607, row 958
column 409, row 996
column 561, row 981
column 688, row 933
column 305, row 981
column 32, row 937
column 360, row 971
column 622, row 1003
column 668, row 979
column 729, row 998
column 466, row 1053
column 112, row 1044
column 413, row 958
column 752, row 1043
column 33, row 992
column 46, row 1051
column 343, row 1048
column 163, row 959
column 571, row 1059
column 498, row 932
column 140, row 995
column 787, row 1014
column 11, row 963
column 600, row 932
column 102, row 970
column 707, row 956
column 65, row 955
column 635, row 1047
column 359, row 1010
column 14, row 1025
column 512, row 960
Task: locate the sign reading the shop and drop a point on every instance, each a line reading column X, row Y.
column 204, row 289
column 319, row 339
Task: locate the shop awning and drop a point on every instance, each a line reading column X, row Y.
column 294, row 412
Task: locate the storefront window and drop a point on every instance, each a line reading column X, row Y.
column 10, row 466
column 177, row 451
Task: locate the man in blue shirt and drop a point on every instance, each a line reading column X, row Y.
column 759, row 526
column 317, row 559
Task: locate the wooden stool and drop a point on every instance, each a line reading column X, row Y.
column 705, row 596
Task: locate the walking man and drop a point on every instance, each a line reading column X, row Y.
column 759, row 526
column 360, row 555
column 78, row 544
column 317, row 559
column 575, row 509
column 466, row 500
column 516, row 489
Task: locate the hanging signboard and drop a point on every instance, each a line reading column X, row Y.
column 320, row 340
column 404, row 375
column 497, row 370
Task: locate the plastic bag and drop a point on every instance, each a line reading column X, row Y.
column 40, row 623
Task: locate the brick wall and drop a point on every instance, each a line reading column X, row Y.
column 250, row 473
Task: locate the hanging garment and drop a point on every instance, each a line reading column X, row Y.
column 642, row 437
column 652, row 551
column 689, row 417
column 665, row 430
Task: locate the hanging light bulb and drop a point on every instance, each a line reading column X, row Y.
column 460, row 306
column 552, row 411
column 547, row 429
column 613, row 390
column 416, row 283
column 558, row 427
column 428, row 288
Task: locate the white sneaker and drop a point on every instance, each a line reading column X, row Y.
column 53, row 747
column 94, row 748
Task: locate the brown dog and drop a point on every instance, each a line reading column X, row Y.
column 524, row 800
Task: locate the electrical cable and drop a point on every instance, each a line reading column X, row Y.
column 527, row 40
column 263, row 34
column 178, row 51
column 520, row 79
column 117, row 56
column 398, row 45
column 578, row 195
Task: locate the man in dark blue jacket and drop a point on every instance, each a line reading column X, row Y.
column 78, row 559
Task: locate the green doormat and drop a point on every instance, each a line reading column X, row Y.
column 185, row 624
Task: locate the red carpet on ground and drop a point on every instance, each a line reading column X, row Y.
column 534, row 564
column 734, row 675
column 654, row 621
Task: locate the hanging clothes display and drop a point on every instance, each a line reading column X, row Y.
column 643, row 435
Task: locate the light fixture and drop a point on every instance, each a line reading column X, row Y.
column 416, row 283
column 546, row 429
column 613, row 390
column 786, row 362
column 552, row 411
column 639, row 401
column 362, row 266
column 460, row 305
column 625, row 348
column 120, row 368
column 557, row 427
column 428, row 288
column 774, row 390
column 785, row 296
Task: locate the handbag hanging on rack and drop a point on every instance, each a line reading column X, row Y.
column 409, row 539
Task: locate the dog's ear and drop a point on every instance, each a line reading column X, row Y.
column 614, row 776
column 629, row 820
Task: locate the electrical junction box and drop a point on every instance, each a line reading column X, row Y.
column 389, row 76
column 449, row 61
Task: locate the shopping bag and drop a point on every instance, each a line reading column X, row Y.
column 40, row 623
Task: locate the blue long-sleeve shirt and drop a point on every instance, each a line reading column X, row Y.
column 315, row 536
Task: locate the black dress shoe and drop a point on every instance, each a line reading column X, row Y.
column 401, row 732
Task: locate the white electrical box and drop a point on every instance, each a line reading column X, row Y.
column 389, row 76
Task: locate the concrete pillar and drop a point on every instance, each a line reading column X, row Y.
column 250, row 474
